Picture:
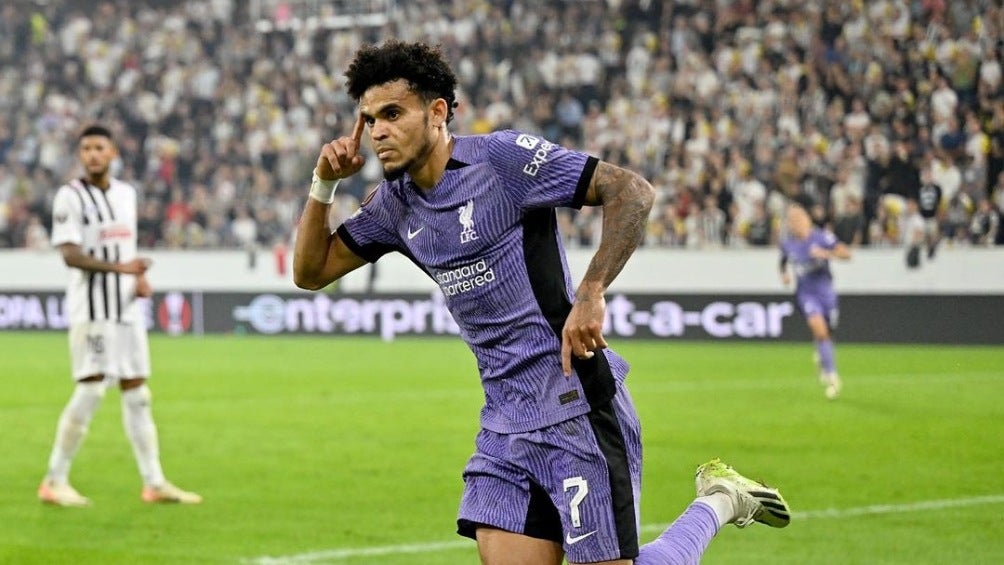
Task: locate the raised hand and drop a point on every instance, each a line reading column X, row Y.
column 340, row 158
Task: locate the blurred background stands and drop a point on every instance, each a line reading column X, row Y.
column 220, row 107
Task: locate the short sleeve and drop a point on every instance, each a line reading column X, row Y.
column 368, row 232
column 538, row 173
column 828, row 239
column 67, row 218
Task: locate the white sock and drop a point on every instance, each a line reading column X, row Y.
column 721, row 503
column 72, row 428
column 137, row 418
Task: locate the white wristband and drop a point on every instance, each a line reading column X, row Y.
column 322, row 190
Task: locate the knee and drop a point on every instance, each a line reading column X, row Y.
column 129, row 384
column 91, row 389
column 137, row 396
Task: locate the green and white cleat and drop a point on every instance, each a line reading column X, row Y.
column 753, row 500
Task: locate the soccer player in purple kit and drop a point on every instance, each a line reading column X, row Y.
column 808, row 250
column 556, row 470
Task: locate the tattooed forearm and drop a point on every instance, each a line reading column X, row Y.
column 626, row 198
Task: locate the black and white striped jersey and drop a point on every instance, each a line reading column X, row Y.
column 103, row 224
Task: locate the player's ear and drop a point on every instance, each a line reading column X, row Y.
column 438, row 111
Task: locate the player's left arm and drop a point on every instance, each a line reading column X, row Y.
column 840, row 251
column 626, row 199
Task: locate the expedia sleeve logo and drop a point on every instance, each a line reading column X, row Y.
column 527, row 141
column 539, row 158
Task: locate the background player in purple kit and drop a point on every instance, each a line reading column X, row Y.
column 557, row 465
column 808, row 250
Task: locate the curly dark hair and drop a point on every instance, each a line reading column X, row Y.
column 95, row 129
column 423, row 66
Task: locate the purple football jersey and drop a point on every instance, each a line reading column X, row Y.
column 814, row 287
column 811, row 274
column 487, row 234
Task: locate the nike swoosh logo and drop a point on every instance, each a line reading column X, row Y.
column 412, row 234
column 572, row 541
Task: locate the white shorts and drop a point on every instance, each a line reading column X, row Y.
column 109, row 348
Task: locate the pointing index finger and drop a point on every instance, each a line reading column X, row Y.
column 357, row 130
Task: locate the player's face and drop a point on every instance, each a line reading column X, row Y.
column 799, row 222
column 96, row 153
column 399, row 127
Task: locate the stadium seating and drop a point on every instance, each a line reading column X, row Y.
column 220, row 106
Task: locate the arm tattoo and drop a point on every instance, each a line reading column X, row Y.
column 626, row 198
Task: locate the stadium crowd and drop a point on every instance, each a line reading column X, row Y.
column 727, row 107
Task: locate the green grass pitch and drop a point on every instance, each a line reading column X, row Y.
column 337, row 450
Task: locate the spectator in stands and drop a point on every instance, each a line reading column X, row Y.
column 998, row 203
column 760, row 230
column 957, row 214
column 902, row 175
column 711, row 223
column 929, row 203
column 911, row 232
column 849, row 223
column 984, row 224
column 35, row 235
column 244, row 229
column 199, row 97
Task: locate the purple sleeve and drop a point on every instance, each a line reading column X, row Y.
column 538, row 173
column 825, row 239
column 367, row 233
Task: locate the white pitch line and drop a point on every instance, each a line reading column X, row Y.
column 432, row 547
column 338, row 554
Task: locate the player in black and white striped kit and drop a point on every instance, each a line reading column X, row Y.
column 94, row 227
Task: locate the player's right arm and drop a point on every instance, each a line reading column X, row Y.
column 785, row 275
column 320, row 256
